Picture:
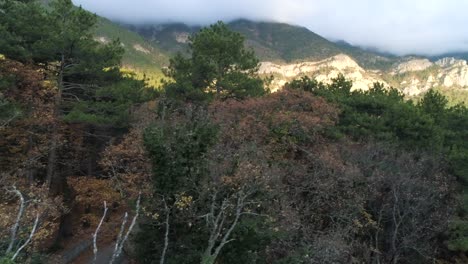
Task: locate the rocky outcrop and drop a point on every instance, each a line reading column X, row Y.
column 103, row 40
column 412, row 77
column 450, row 62
column 414, row 65
column 418, row 76
column 182, row 37
column 324, row 71
column 140, row 48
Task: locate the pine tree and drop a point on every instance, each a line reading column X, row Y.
column 219, row 65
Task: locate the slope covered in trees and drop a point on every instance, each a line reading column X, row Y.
column 65, row 97
column 214, row 168
column 277, row 42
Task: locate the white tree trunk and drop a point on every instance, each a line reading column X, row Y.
column 29, row 239
column 14, row 228
column 95, row 249
column 121, row 241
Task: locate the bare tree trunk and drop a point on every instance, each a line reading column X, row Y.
column 91, row 148
column 396, row 223
column 166, row 235
column 31, row 171
column 217, row 225
column 33, row 231
column 14, row 228
column 51, row 177
column 52, row 159
column 121, row 240
column 95, row 249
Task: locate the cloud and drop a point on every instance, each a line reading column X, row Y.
column 427, row 27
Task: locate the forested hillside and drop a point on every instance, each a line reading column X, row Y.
column 98, row 166
column 276, row 42
column 140, row 56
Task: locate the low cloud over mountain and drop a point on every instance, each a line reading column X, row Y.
column 427, row 27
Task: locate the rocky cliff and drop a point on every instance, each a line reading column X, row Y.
column 412, row 76
column 323, row 70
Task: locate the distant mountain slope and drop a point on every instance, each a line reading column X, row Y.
column 275, row 42
column 171, row 38
column 369, row 59
column 140, row 55
column 412, row 77
column 279, row 41
column 456, row 55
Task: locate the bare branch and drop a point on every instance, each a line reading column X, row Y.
column 72, row 95
column 119, row 238
column 33, row 231
column 219, row 221
column 121, row 241
column 14, row 228
column 5, row 123
column 95, row 249
column 166, row 235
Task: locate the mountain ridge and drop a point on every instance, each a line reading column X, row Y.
column 271, row 41
column 283, row 46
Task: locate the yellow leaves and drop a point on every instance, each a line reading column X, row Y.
column 2, row 57
column 154, row 215
column 368, row 218
column 127, row 165
column 183, row 201
column 93, row 191
column 37, row 203
column 358, row 223
column 365, row 221
column 127, row 72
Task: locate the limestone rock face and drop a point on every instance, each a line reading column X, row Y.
column 103, row 40
column 413, row 65
column 412, row 77
column 445, row 73
column 323, row 71
column 139, row 48
column 449, row 62
column 182, row 37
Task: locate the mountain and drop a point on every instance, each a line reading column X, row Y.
column 322, row 70
column 140, row 55
column 171, row 38
column 288, row 52
column 413, row 77
column 271, row 41
column 283, row 42
column 369, row 58
column 456, row 55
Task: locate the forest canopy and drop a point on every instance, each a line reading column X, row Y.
column 97, row 166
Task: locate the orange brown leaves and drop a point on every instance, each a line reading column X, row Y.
column 284, row 117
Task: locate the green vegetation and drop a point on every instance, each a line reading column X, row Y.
column 171, row 38
column 277, row 42
column 215, row 169
column 58, row 86
column 455, row 96
column 368, row 59
column 422, row 76
column 289, row 42
column 145, row 59
column 430, row 125
column 141, row 57
column 218, row 65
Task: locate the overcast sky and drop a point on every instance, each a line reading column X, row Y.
column 428, row 27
